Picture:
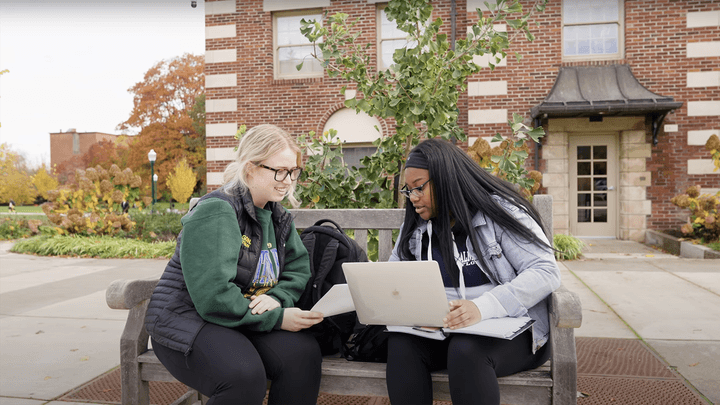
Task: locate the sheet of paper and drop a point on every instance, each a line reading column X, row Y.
column 336, row 301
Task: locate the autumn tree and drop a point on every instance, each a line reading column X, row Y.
column 66, row 170
column 162, row 106
column 182, row 181
column 44, row 181
column 107, row 152
column 15, row 180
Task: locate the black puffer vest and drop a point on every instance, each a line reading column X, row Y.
column 171, row 318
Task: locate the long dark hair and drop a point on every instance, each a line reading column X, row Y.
column 460, row 189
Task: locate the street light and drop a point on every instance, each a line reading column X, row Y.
column 151, row 157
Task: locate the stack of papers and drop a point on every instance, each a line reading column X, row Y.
column 501, row 328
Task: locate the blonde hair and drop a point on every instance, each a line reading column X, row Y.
column 257, row 144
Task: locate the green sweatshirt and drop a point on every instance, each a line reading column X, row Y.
column 209, row 252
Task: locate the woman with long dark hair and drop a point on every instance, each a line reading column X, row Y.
column 495, row 262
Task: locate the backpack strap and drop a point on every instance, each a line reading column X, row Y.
column 326, row 263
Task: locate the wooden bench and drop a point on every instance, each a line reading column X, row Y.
column 552, row 383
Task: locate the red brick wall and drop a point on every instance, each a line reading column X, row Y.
column 655, row 40
column 61, row 144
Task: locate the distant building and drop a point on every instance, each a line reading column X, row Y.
column 65, row 145
column 628, row 93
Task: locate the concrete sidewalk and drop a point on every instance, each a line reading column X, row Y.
column 631, row 291
column 57, row 333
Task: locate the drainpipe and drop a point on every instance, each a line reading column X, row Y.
column 453, row 24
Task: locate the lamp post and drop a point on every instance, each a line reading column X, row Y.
column 151, row 157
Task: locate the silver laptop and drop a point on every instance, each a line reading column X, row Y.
column 397, row 293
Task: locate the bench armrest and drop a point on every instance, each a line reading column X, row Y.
column 565, row 315
column 126, row 294
column 565, row 308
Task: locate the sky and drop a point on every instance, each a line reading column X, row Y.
column 72, row 62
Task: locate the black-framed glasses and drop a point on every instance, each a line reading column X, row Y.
column 415, row 191
column 281, row 174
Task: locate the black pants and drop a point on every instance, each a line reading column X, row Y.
column 232, row 367
column 474, row 364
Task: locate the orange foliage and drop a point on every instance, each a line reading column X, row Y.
column 168, row 89
column 163, row 102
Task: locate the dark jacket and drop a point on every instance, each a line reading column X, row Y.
column 172, row 319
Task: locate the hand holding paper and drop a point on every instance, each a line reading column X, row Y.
column 336, row 301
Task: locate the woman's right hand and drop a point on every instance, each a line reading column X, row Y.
column 295, row 319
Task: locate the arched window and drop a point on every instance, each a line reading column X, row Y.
column 357, row 131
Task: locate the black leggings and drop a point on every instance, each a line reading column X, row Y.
column 474, row 364
column 232, row 367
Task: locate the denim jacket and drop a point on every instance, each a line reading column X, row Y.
column 522, row 273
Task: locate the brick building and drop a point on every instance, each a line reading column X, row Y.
column 628, row 92
column 65, row 145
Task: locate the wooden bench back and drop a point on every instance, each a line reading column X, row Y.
column 385, row 221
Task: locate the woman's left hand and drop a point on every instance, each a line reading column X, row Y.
column 462, row 313
column 261, row 303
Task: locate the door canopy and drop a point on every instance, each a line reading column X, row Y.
column 612, row 90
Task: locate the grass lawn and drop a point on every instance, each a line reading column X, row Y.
column 31, row 209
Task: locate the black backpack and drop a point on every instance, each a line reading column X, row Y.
column 329, row 247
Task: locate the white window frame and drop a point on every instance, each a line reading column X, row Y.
column 276, row 48
column 621, row 36
column 379, row 19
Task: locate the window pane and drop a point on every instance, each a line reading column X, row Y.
column 600, row 152
column 583, row 200
column 602, row 34
column 583, row 152
column 590, row 11
column 288, row 29
column 584, row 215
column 600, row 168
column 600, row 200
column 600, row 183
column 584, row 184
column 600, row 215
column 290, row 57
column 388, row 28
column 583, row 169
column 388, row 49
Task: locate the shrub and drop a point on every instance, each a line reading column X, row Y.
column 92, row 205
column 713, row 145
column 93, row 246
column 704, row 222
column 507, row 160
column 182, row 181
column 567, row 247
column 17, row 228
column 155, row 227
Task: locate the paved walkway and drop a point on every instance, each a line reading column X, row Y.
column 56, row 332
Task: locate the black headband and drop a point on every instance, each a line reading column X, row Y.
column 417, row 160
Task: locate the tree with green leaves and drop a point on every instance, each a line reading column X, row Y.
column 420, row 91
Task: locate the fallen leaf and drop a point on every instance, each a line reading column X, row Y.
column 47, row 378
column 73, row 350
column 84, row 358
column 39, row 332
column 694, row 364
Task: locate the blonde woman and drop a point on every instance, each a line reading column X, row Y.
column 222, row 318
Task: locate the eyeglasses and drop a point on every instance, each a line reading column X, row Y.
column 281, row 174
column 416, row 191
